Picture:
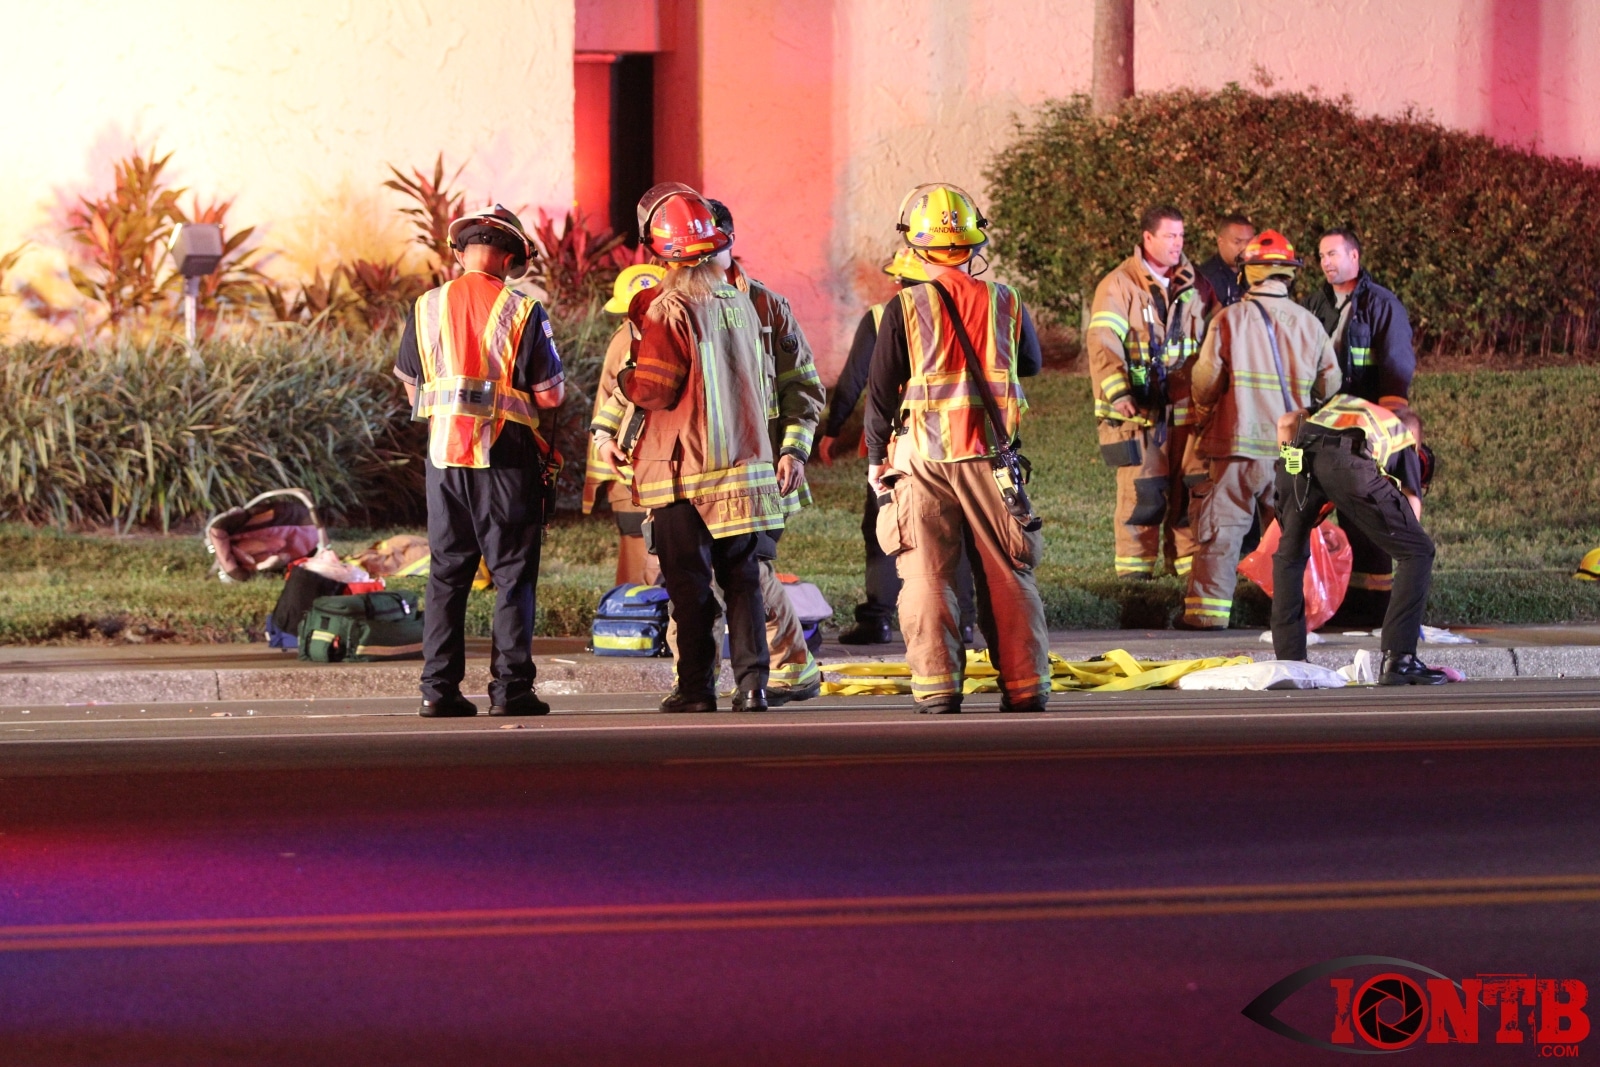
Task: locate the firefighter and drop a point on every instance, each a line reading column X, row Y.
column 607, row 469
column 479, row 364
column 1262, row 358
column 1218, row 277
column 1370, row 463
column 795, row 400
column 1145, row 327
column 872, row 625
column 937, row 459
column 1372, row 339
column 703, row 462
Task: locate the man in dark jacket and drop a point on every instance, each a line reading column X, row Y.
column 1217, row 279
column 1372, row 341
column 872, row 625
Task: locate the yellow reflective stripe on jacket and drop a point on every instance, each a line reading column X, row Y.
column 940, row 404
column 1385, row 433
column 798, row 437
column 744, row 477
column 476, row 398
column 1265, row 381
column 1104, row 410
column 1111, row 321
column 466, row 405
column 1360, row 357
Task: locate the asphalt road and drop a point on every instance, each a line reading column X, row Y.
column 1108, row 883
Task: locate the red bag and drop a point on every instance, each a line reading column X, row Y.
column 1327, row 574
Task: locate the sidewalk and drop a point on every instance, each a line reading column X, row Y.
column 174, row 673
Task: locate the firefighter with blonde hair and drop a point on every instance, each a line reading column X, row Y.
column 703, row 465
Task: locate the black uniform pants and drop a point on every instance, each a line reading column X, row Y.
column 690, row 559
column 1338, row 469
column 883, row 579
column 496, row 514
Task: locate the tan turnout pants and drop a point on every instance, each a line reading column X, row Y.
column 635, row 566
column 1152, row 505
column 1222, row 513
column 790, row 661
column 936, row 506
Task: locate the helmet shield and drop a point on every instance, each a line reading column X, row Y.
column 652, row 199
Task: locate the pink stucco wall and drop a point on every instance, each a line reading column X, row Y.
column 767, row 147
column 819, row 116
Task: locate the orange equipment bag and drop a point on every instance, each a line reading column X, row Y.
column 1327, row 574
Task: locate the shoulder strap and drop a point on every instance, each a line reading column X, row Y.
column 975, row 368
column 1277, row 356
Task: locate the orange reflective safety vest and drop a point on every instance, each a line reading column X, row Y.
column 1385, row 433
column 468, row 333
column 941, row 406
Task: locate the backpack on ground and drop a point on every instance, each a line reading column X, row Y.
column 355, row 629
column 810, row 607
column 303, row 588
column 630, row 621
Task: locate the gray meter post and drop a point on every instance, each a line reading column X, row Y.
column 197, row 250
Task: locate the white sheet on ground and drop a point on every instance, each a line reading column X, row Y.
column 1268, row 674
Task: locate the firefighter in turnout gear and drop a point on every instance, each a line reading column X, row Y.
column 703, row 464
column 607, row 470
column 1365, row 460
column 1372, row 339
column 479, row 365
column 795, row 399
column 944, row 409
column 1263, row 358
column 873, row 617
column 1145, row 327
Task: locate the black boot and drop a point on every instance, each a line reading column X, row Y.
column 528, row 703
column 944, row 704
column 678, row 700
column 1407, row 669
column 750, row 700
column 865, row 632
column 454, row 706
column 793, row 694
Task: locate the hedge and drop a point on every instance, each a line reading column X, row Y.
column 141, row 436
column 1489, row 247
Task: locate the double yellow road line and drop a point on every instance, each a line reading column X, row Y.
column 621, row 919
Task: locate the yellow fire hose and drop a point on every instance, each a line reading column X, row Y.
column 1117, row 671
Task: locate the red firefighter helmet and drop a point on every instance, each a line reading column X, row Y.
column 676, row 223
column 1269, row 248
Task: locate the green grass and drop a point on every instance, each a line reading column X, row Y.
column 1516, row 505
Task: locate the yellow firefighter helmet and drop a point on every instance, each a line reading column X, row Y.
column 942, row 223
column 630, row 282
column 906, row 266
column 1589, row 567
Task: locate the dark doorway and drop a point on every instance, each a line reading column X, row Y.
column 632, row 138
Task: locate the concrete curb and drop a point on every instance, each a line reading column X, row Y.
column 584, row 674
